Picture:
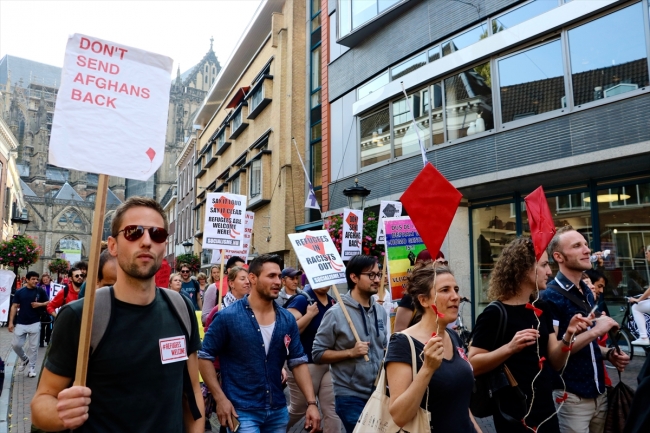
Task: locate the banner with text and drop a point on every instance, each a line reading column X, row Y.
column 319, row 258
column 352, row 231
column 111, row 109
column 387, row 209
column 246, row 248
column 71, row 250
column 225, row 224
column 7, row 278
column 403, row 244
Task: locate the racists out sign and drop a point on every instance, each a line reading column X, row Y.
column 245, row 249
column 403, row 244
column 111, row 109
column 224, row 225
column 387, row 209
column 352, row 232
column 319, row 258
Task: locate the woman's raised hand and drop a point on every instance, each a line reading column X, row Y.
column 523, row 339
column 433, row 352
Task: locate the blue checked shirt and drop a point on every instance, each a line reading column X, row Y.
column 584, row 373
column 251, row 379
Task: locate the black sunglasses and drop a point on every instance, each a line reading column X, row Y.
column 133, row 233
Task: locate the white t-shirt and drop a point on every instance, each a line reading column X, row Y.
column 267, row 333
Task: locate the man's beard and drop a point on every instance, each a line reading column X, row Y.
column 77, row 285
column 134, row 271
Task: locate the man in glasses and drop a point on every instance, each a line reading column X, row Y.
column 31, row 300
column 142, row 357
column 69, row 293
column 190, row 287
column 335, row 344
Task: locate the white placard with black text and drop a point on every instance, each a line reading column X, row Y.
column 224, row 224
column 245, row 251
column 352, row 233
column 387, row 209
column 319, row 258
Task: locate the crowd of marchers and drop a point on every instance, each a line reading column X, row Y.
column 265, row 329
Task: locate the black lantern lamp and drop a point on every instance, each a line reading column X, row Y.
column 356, row 195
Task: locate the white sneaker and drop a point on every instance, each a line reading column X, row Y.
column 641, row 342
column 22, row 364
column 32, row 372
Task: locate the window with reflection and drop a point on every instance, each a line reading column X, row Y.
column 316, row 77
column 608, row 55
column 371, row 86
column 531, row 82
column 468, row 102
column 353, row 14
column 464, row 40
column 522, row 13
column 405, row 132
column 437, row 119
column 625, row 231
column 375, row 137
column 434, row 53
column 408, row 66
column 255, row 178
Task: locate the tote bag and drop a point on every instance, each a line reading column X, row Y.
column 375, row 416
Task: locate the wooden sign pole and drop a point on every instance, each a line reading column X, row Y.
column 347, row 317
column 382, row 283
column 91, row 282
column 221, row 280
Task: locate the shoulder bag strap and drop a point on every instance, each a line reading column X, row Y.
column 415, row 368
column 580, row 303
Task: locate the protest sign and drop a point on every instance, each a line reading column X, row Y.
column 352, row 231
column 403, row 244
column 319, row 258
column 7, row 278
column 224, row 221
column 387, row 209
column 245, row 250
column 71, row 250
column 56, row 288
column 111, row 109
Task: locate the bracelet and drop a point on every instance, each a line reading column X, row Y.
column 609, row 354
column 568, row 343
column 312, row 403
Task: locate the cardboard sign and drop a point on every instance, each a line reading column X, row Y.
column 319, row 258
column 403, row 244
column 224, row 225
column 111, row 109
column 387, row 209
column 352, row 234
column 7, row 278
column 245, row 250
column 56, row 288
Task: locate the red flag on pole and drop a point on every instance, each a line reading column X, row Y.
column 542, row 227
column 431, row 202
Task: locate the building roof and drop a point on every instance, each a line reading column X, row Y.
column 29, row 71
column 27, row 191
column 68, row 193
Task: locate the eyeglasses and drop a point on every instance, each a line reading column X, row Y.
column 185, row 272
column 133, row 233
column 372, row 275
column 78, row 276
column 442, row 263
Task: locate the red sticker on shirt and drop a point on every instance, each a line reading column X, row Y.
column 461, row 352
column 287, row 341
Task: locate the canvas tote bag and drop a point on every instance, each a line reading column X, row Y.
column 375, row 416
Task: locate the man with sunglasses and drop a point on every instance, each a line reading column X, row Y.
column 335, row 344
column 144, row 355
column 190, row 287
column 69, row 293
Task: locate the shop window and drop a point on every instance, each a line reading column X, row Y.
column 608, row 55
column 375, row 137
column 531, row 82
column 625, row 231
column 468, row 102
column 522, row 13
column 408, row 66
column 406, row 136
column 493, row 227
column 375, row 84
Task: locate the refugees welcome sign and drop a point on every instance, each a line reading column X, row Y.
column 224, row 226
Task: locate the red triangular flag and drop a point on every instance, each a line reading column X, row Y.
column 542, row 227
column 431, row 202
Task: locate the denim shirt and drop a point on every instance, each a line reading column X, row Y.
column 251, row 379
column 584, row 373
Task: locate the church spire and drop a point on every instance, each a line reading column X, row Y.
column 178, row 75
column 211, row 41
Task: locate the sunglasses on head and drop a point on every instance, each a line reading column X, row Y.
column 133, row 233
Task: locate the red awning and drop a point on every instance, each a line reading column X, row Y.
column 239, row 96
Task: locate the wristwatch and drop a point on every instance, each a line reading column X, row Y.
column 312, row 402
column 568, row 343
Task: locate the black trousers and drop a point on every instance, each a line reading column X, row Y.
column 46, row 332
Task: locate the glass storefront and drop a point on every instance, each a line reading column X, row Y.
column 613, row 216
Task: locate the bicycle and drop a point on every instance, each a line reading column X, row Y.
column 461, row 329
column 627, row 333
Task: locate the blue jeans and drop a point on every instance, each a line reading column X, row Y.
column 349, row 409
column 263, row 421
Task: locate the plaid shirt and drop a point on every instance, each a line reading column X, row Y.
column 584, row 373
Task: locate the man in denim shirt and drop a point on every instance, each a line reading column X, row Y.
column 253, row 338
column 585, row 406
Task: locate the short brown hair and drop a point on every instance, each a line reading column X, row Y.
column 232, row 273
column 132, row 202
column 554, row 245
column 517, row 258
column 421, row 280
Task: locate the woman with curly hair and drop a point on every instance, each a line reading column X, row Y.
column 515, row 280
column 443, row 384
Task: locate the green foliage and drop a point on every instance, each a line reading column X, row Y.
column 59, row 266
column 369, row 246
column 190, row 260
column 20, row 251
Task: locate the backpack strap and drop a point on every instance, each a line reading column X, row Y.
column 101, row 315
column 176, row 301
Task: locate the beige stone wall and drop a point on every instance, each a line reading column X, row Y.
column 283, row 181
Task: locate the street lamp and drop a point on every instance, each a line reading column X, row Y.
column 188, row 246
column 356, row 195
column 57, row 253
